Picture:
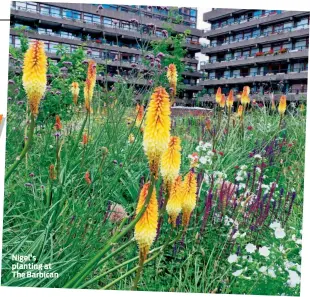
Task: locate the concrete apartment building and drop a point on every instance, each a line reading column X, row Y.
column 114, row 34
column 265, row 49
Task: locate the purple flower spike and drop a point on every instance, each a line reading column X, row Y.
column 11, row 82
column 57, row 135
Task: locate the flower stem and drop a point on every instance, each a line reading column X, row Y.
column 25, row 150
column 78, row 278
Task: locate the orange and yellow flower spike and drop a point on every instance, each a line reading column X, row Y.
column 189, row 197
column 282, row 105
column 140, row 113
column 75, row 90
column 172, row 75
column 223, row 101
column 245, row 99
column 157, row 128
column 146, row 227
column 230, row 100
column 171, row 161
column 1, row 118
column 58, row 124
column 218, row 96
column 240, row 111
column 34, row 75
column 90, row 84
column 174, row 204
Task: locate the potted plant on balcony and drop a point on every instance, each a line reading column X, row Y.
column 259, row 54
column 283, row 50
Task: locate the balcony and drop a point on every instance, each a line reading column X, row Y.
column 219, row 13
column 253, row 22
column 256, row 77
column 264, row 98
column 298, row 31
column 78, row 25
column 76, row 41
column 301, row 52
column 122, row 16
column 191, row 87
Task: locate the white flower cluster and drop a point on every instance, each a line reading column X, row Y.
column 205, row 153
column 242, row 173
column 279, row 232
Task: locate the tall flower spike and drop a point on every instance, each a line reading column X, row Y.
column 75, row 90
column 172, row 76
column 90, row 84
column 174, row 204
column 223, row 101
column 58, row 124
column 146, row 227
column 245, row 99
column 157, row 128
column 171, row 161
column 240, row 111
column 218, row 96
column 230, row 99
column 282, row 105
column 34, row 75
column 140, row 113
column 189, row 197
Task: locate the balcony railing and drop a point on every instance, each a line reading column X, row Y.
column 240, row 21
column 246, row 57
column 259, row 35
column 116, row 25
column 259, row 73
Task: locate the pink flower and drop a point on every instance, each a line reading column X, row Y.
column 118, row 213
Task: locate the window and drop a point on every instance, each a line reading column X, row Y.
column 11, row 40
column 53, row 47
column 300, row 44
column 257, row 13
column 193, row 12
column 236, row 73
column 95, row 53
column 278, row 28
column 107, row 21
column 88, row 18
column 246, row 53
column 254, row 50
column 237, row 54
column 266, row 48
column 159, row 33
column 287, row 26
column 253, row 71
column 111, row 7
column 303, row 22
column 247, row 35
column 267, row 30
column 17, row 42
column 125, row 25
column 55, row 12
column 96, row 19
column 256, row 32
column 45, row 9
column 45, row 31
column 71, row 14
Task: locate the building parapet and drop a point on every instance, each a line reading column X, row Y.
column 287, row 33
column 254, row 22
column 250, row 60
column 269, row 77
